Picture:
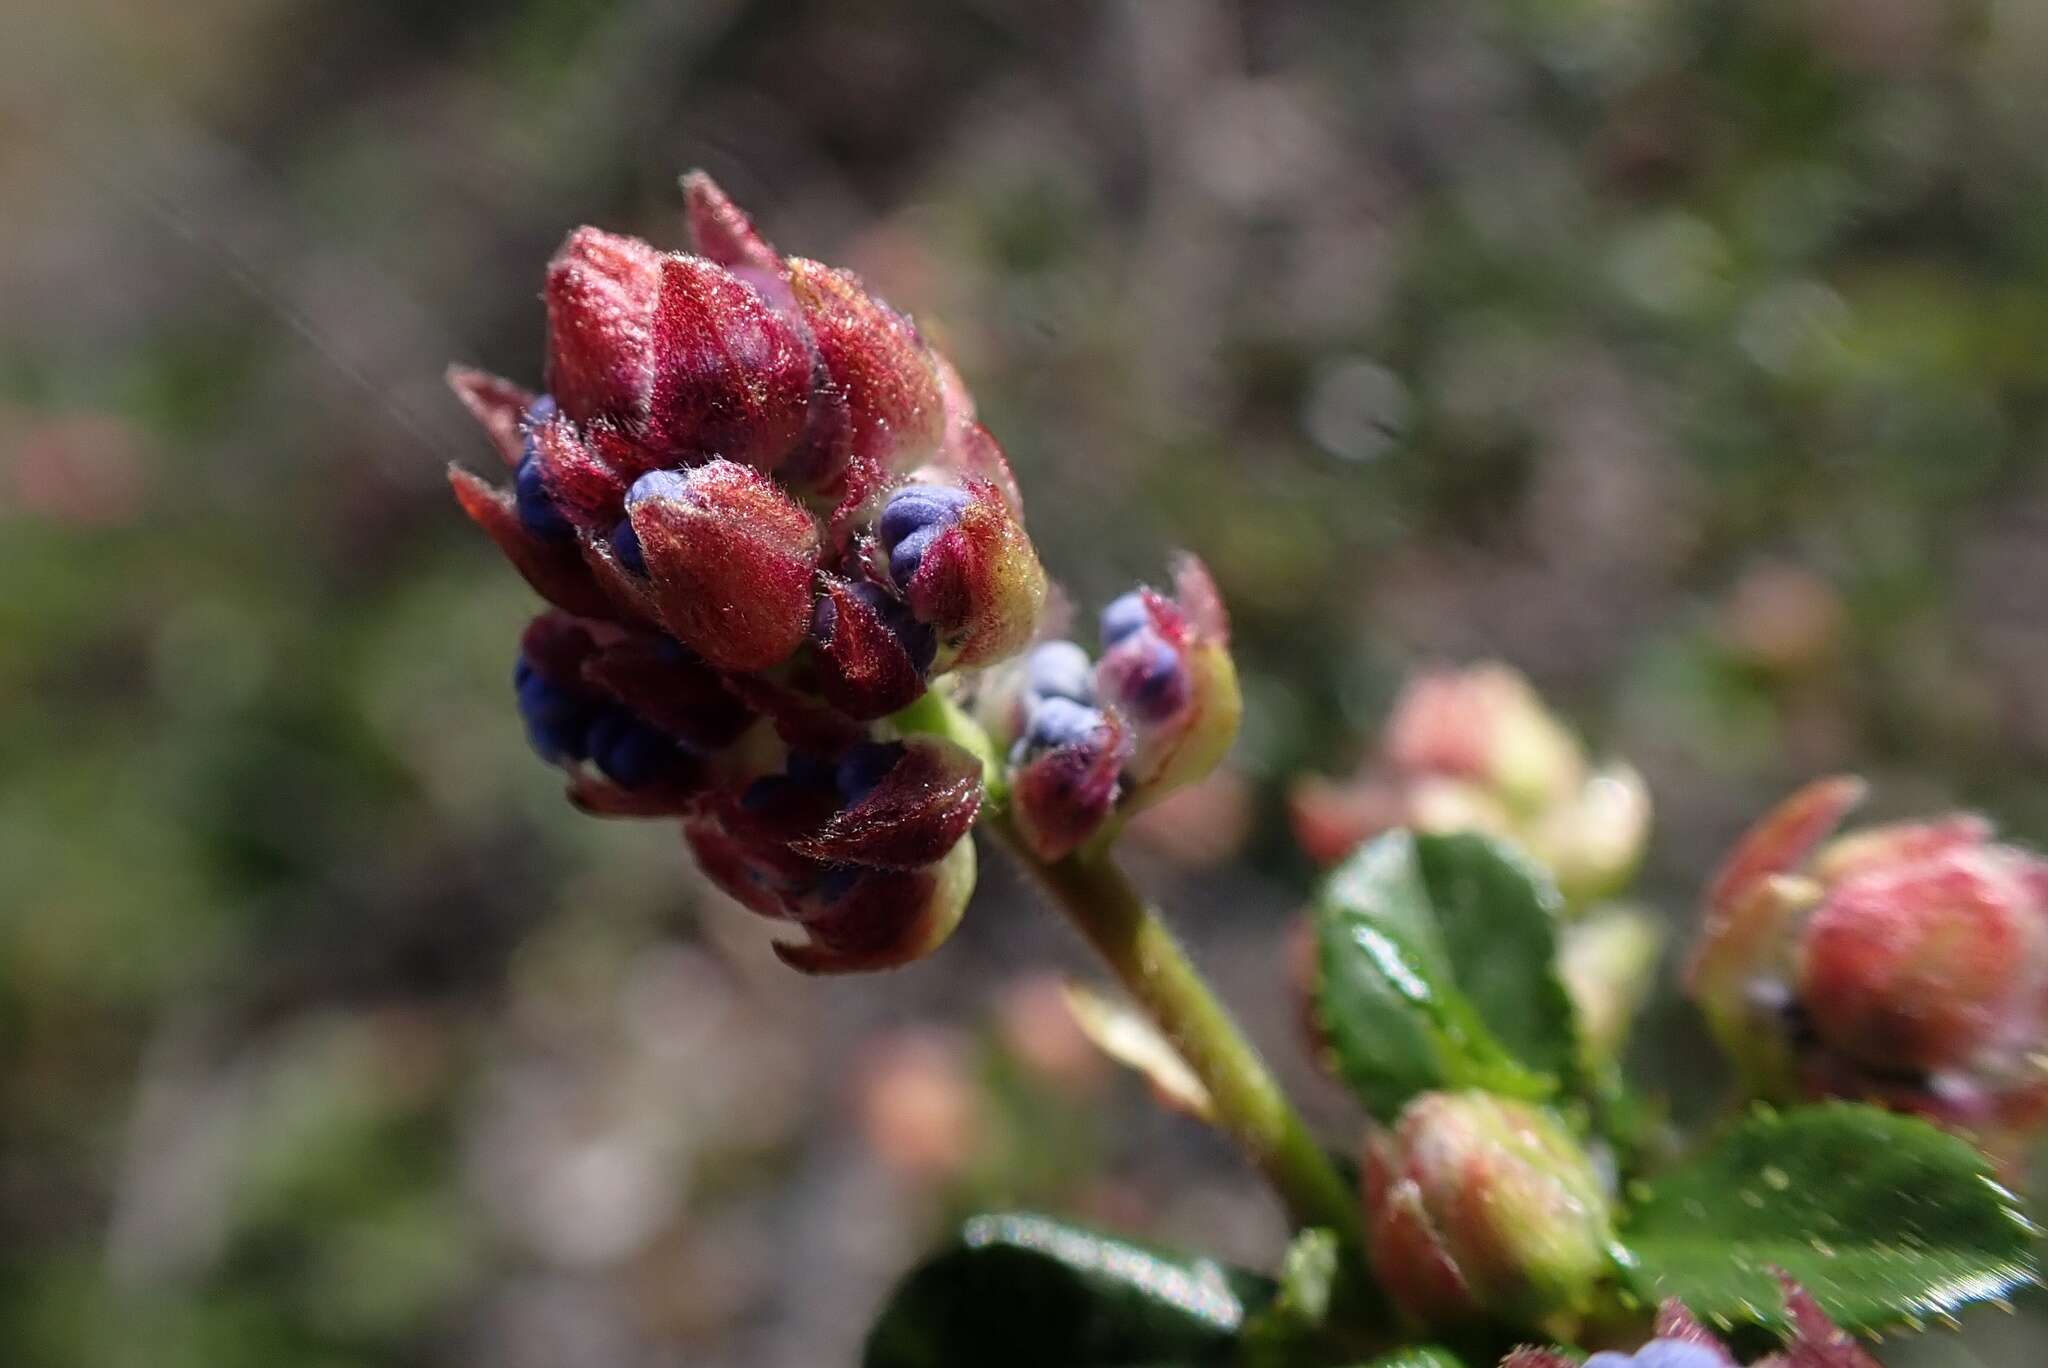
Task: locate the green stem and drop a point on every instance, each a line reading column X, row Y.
column 1099, row 899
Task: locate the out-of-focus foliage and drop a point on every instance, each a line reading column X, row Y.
column 1686, row 354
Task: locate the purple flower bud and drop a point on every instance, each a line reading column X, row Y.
column 1060, row 669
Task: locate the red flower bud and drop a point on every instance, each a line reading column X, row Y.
column 1477, row 1205
column 731, row 376
column 979, row 583
column 603, row 293
column 1062, row 796
column 865, row 667
column 890, row 918
column 731, row 558
column 919, row 810
column 877, row 366
column 1166, row 667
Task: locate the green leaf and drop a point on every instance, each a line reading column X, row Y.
column 1016, row 1290
column 1884, row 1218
column 1434, row 951
column 1423, row 1356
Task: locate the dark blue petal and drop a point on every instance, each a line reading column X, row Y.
column 865, row 766
column 626, row 546
column 536, row 507
column 908, row 554
column 839, row 881
column 1124, row 616
column 914, row 507
column 631, row 753
column 814, row 771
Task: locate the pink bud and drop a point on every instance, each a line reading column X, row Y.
column 1485, row 724
column 1903, row 965
column 1922, row 962
column 731, row 559
column 603, row 291
column 1477, row 1205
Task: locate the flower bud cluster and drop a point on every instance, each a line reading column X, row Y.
column 767, row 519
column 1476, row 750
column 1905, row 965
column 1091, row 738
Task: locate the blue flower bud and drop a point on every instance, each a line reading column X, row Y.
column 626, row 548
column 865, row 766
column 536, row 506
column 1124, row 616
column 1060, row 669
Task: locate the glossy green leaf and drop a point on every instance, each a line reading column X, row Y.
column 1423, row 1356
column 1885, row 1219
column 1016, row 1290
column 1438, row 958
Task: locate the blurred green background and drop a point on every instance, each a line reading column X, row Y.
column 1687, row 354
